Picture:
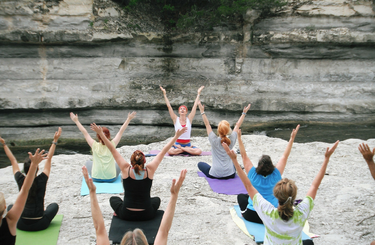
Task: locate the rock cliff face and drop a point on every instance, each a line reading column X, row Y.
column 314, row 62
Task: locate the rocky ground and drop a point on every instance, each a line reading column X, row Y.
column 343, row 212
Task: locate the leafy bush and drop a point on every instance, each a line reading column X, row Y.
column 204, row 13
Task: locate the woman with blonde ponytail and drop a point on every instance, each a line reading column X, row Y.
column 222, row 166
column 285, row 223
column 137, row 181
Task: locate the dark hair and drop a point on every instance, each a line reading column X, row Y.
column 265, row 166
column 106, row 133
column 285, row 191
column 138, row 161
column 33, row 190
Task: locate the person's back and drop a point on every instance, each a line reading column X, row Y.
column 279, row 231
column 103, row 164
column 222, row 165
column 265, row 185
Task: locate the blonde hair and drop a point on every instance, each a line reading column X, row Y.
column 2, row 204
column 285, row 191
column 223, row 129
column 136, row 237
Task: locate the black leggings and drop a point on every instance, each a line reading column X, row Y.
column 205, row 168
column 38, row 224
column 123, row 213
column 248, row 214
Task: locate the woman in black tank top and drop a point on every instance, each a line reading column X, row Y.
column 9, row 222
column 137, row 203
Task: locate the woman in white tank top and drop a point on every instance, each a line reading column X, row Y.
column 183, row 144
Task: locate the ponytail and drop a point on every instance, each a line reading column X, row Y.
column 138, row 161
column 223, row 130
column 285, row 191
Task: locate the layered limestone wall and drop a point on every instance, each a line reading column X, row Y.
column 311, row 63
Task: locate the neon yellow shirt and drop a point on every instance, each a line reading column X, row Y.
column 103, row 165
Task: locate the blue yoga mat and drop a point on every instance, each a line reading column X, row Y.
column 257, row 230
column 104, row 187
column 232, row 186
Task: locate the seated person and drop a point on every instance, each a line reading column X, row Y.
column 137, row 181
column 222, row 166
column 263, row 178
column 8, row 223
column 34, row 217
column 136, row 236
column 103, row 167
column 183, row 144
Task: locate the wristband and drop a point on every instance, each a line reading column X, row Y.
column 53, row 142
column 203, row 113
column 244, row 113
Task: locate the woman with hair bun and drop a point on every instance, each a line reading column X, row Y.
column 137, row 181
column 263, row 177
column 103, row 168
column 222, row 166
column 284, row 224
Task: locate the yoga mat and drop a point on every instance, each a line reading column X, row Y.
column 103, row 187
column 150, row 227
column 48, row 236
column 155, row 152
column 254, row 229
column 232, row 186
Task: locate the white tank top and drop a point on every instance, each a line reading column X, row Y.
column 177, row 126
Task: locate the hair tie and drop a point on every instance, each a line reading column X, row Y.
column 287, row 200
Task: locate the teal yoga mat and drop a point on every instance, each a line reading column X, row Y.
column 48, row 236
column 103, row 187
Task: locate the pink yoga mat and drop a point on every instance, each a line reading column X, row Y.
column 155, row 152
column 225, row 186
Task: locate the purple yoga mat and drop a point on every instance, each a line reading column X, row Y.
column 226, row 186
column 204, row 153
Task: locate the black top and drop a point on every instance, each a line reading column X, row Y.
column 34, row 206
column 5, row 237
column 137, row 192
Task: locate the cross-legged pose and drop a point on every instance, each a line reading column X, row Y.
column 222, row 166
column 137, row 181
column 183, row 143
column 8, row 224
column 103, row 168
column 136, row 236
column 263, row 178
column 34, row 217
column 285, row 223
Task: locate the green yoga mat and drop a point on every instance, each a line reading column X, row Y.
column 48, row 236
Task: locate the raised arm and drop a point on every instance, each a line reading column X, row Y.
column 96, row 213
column 88, row 138
column 154, row 164
column 170, row 110
column 242, row 117
column 11, row 157
column 245, row 180
column 194, row 109
column 15, row 212
column 121, row 162
column 368, row 155
column 284, row 158
column 51, row 152
column 166, row 222
column 123, row 127
column 245, row 159
column 205, row 119
column 319, row 177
